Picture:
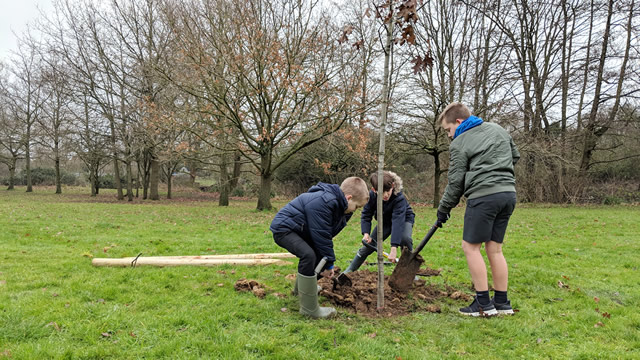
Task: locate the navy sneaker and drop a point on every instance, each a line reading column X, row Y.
column 475, row 309
column 503, row 309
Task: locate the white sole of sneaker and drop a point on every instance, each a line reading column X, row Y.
column 488, row 313
column 506, row 312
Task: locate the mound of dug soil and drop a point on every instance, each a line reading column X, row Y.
column 361, row 297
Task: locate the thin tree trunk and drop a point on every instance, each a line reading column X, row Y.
column 129, row 178
column 56, row 151
column 169, row 177
column 587, row 64
column 138, row 181
column 590, row 139
column 436, row 182
column 12, row 173
column 116, row 166
column 264, row 196
column 383, row 128
column 28, row 159
column 146, row 167
column 154, row 179
column 224, row 182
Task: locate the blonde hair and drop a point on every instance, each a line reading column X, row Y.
column 357, row 188
column 454, row 111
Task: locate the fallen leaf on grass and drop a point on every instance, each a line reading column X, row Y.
column 132, row 334
column 372, row 335
column 67, row 305
column 597, row 310
column 283, row 309
column 54, row 324
column 566, row 277
column 290, row 277
column 607, row 315
column 596, row 299
column 279, row 295
column 105, row 334
column 539, row 340
column 54, row 295
column 6, row 353
column 598, row 324
column 220, row 284
column 562, row 285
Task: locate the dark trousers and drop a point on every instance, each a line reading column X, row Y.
column 296, row 245
column 365, row 251
column 406, row 240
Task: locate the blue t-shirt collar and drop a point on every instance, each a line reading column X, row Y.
column 468, row 123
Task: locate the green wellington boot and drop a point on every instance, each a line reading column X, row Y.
column 307, row 290
column 295, row 288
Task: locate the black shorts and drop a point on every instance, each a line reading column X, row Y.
column 486, row 217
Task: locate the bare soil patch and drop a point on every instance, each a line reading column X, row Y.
column 361, row 297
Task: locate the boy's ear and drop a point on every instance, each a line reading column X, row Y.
column 349, row 197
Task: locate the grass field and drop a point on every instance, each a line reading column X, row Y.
column 574, row 275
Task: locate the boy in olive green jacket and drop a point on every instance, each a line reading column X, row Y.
column 482, row 156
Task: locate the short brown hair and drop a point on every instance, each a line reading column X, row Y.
column 454, row 111
column 357, row 188
column 387, row 180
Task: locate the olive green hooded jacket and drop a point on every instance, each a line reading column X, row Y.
column 481, row 163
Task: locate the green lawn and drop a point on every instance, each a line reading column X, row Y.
column 574, row 275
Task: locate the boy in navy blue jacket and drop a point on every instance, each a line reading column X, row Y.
column 306, row 227
column 398, row 219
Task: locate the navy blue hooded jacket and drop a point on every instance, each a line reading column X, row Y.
column 317, row 216
column 396, row 212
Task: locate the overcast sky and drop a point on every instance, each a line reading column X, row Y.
column 14, row 17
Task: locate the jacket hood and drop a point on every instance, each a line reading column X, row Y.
column 332, row 188
column 398, row 181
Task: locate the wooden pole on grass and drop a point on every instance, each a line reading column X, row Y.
column 152, row 261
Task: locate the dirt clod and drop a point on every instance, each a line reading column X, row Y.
column 361, row 297
column 250, row 285
column 428, row 272
column 457, row 295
